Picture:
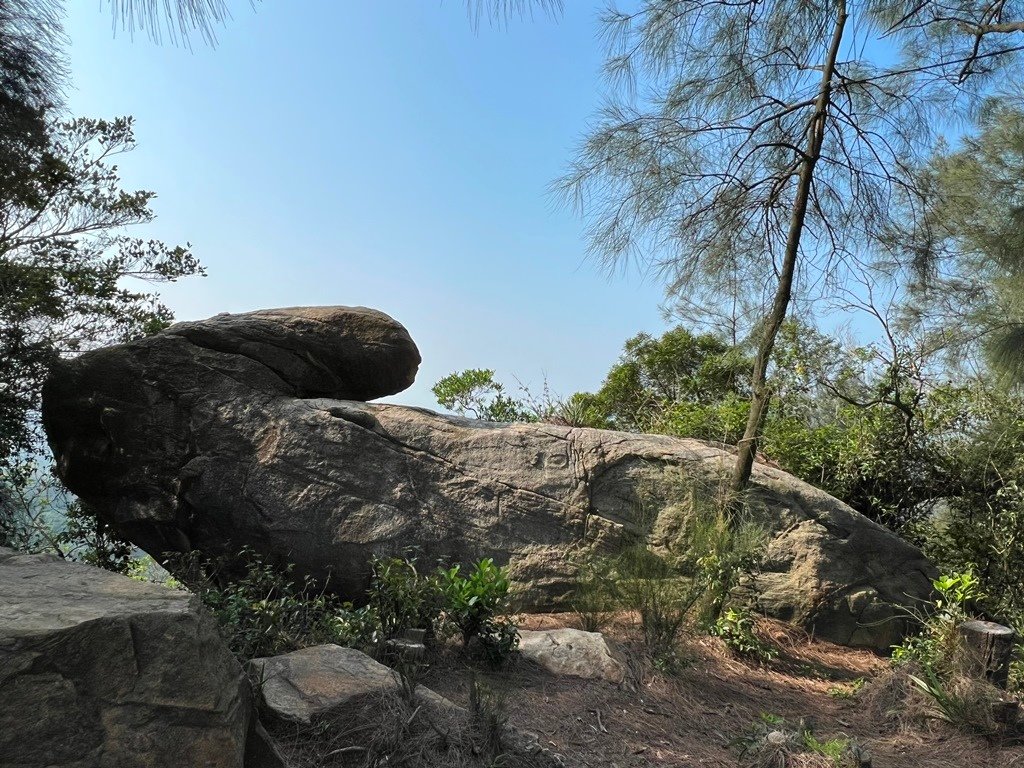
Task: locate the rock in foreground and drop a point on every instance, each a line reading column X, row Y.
column 198, row 444
column 327, row 689
column 99, row 671
column 571, row 652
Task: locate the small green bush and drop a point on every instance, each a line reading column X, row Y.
column 264, row 610
column 402, row 597
column 358, row 628
column 474, row 604
column 938, row 645
column 646, row 583
column 736, row 629
column 936, row 666
column 706, row 547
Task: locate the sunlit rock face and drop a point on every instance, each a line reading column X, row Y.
column 254, row 430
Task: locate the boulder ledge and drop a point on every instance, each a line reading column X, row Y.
column 188, row 440
column 98, row 670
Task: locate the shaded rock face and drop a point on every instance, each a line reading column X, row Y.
column 100, row 671
column 183, row 446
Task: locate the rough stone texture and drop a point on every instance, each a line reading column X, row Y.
column 182, row 446
column 100, row 671
column 571, row 652
column 328, row 681
column 303, row 684
column 353, row 353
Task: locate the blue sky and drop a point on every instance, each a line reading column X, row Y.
column 345, row 153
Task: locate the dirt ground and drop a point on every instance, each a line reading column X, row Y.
column 693, row 717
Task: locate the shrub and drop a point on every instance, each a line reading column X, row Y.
column 646, row 583
column 358, row 628
column 265, row 610
column 736, row 629
column 706, row 548
column 935, row 676
column 938, row 646
column 402, row 597
column 474, row 604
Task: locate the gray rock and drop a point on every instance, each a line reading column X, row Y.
column 352, row 691
column 185, row 447
column 321, row 679
column 352, row 353
column 100, row 671
column 571, row 652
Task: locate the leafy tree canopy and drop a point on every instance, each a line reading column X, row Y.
column 71, row 278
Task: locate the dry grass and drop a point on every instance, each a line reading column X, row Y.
column 695, row 717
column 397, row 730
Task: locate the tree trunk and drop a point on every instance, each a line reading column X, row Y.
column 780, row 306
column 989, row 648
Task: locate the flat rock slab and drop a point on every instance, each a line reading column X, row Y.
column 329, row 681
column 100, row 671
column 303, row 684
column 571, row 652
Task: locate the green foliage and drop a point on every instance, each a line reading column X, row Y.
column 970, row 250
column 70, row 279
column 836, row 749
column 358, row 627
column 676, row 384
column 772, row 741
column 736, row 629
column 38, row 515
column 265, row 610
column 703, row 553
column 474, row 392
column 474, row 604
column 69, row 276
column 593, row 598
column 847, row 691
column 938, row 645
column 646, row 583
column 938, row 666
column 403, row 598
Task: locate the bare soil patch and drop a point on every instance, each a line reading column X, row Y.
column 694, row 716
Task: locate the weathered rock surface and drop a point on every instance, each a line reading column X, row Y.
column 346, row 686
column 183, row 446
column 304, row 684
column 571, row 652
column 100, row 671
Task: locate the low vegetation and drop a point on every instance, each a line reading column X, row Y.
column 686, row 584
column 264, row 609
column 935, row 674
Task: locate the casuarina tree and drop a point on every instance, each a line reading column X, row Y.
column 755, row 151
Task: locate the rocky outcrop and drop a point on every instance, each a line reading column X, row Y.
column 98, row 670
column 186, row 441
column 572, row 653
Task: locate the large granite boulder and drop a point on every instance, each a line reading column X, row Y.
column 189, row 444
column 100, row 671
